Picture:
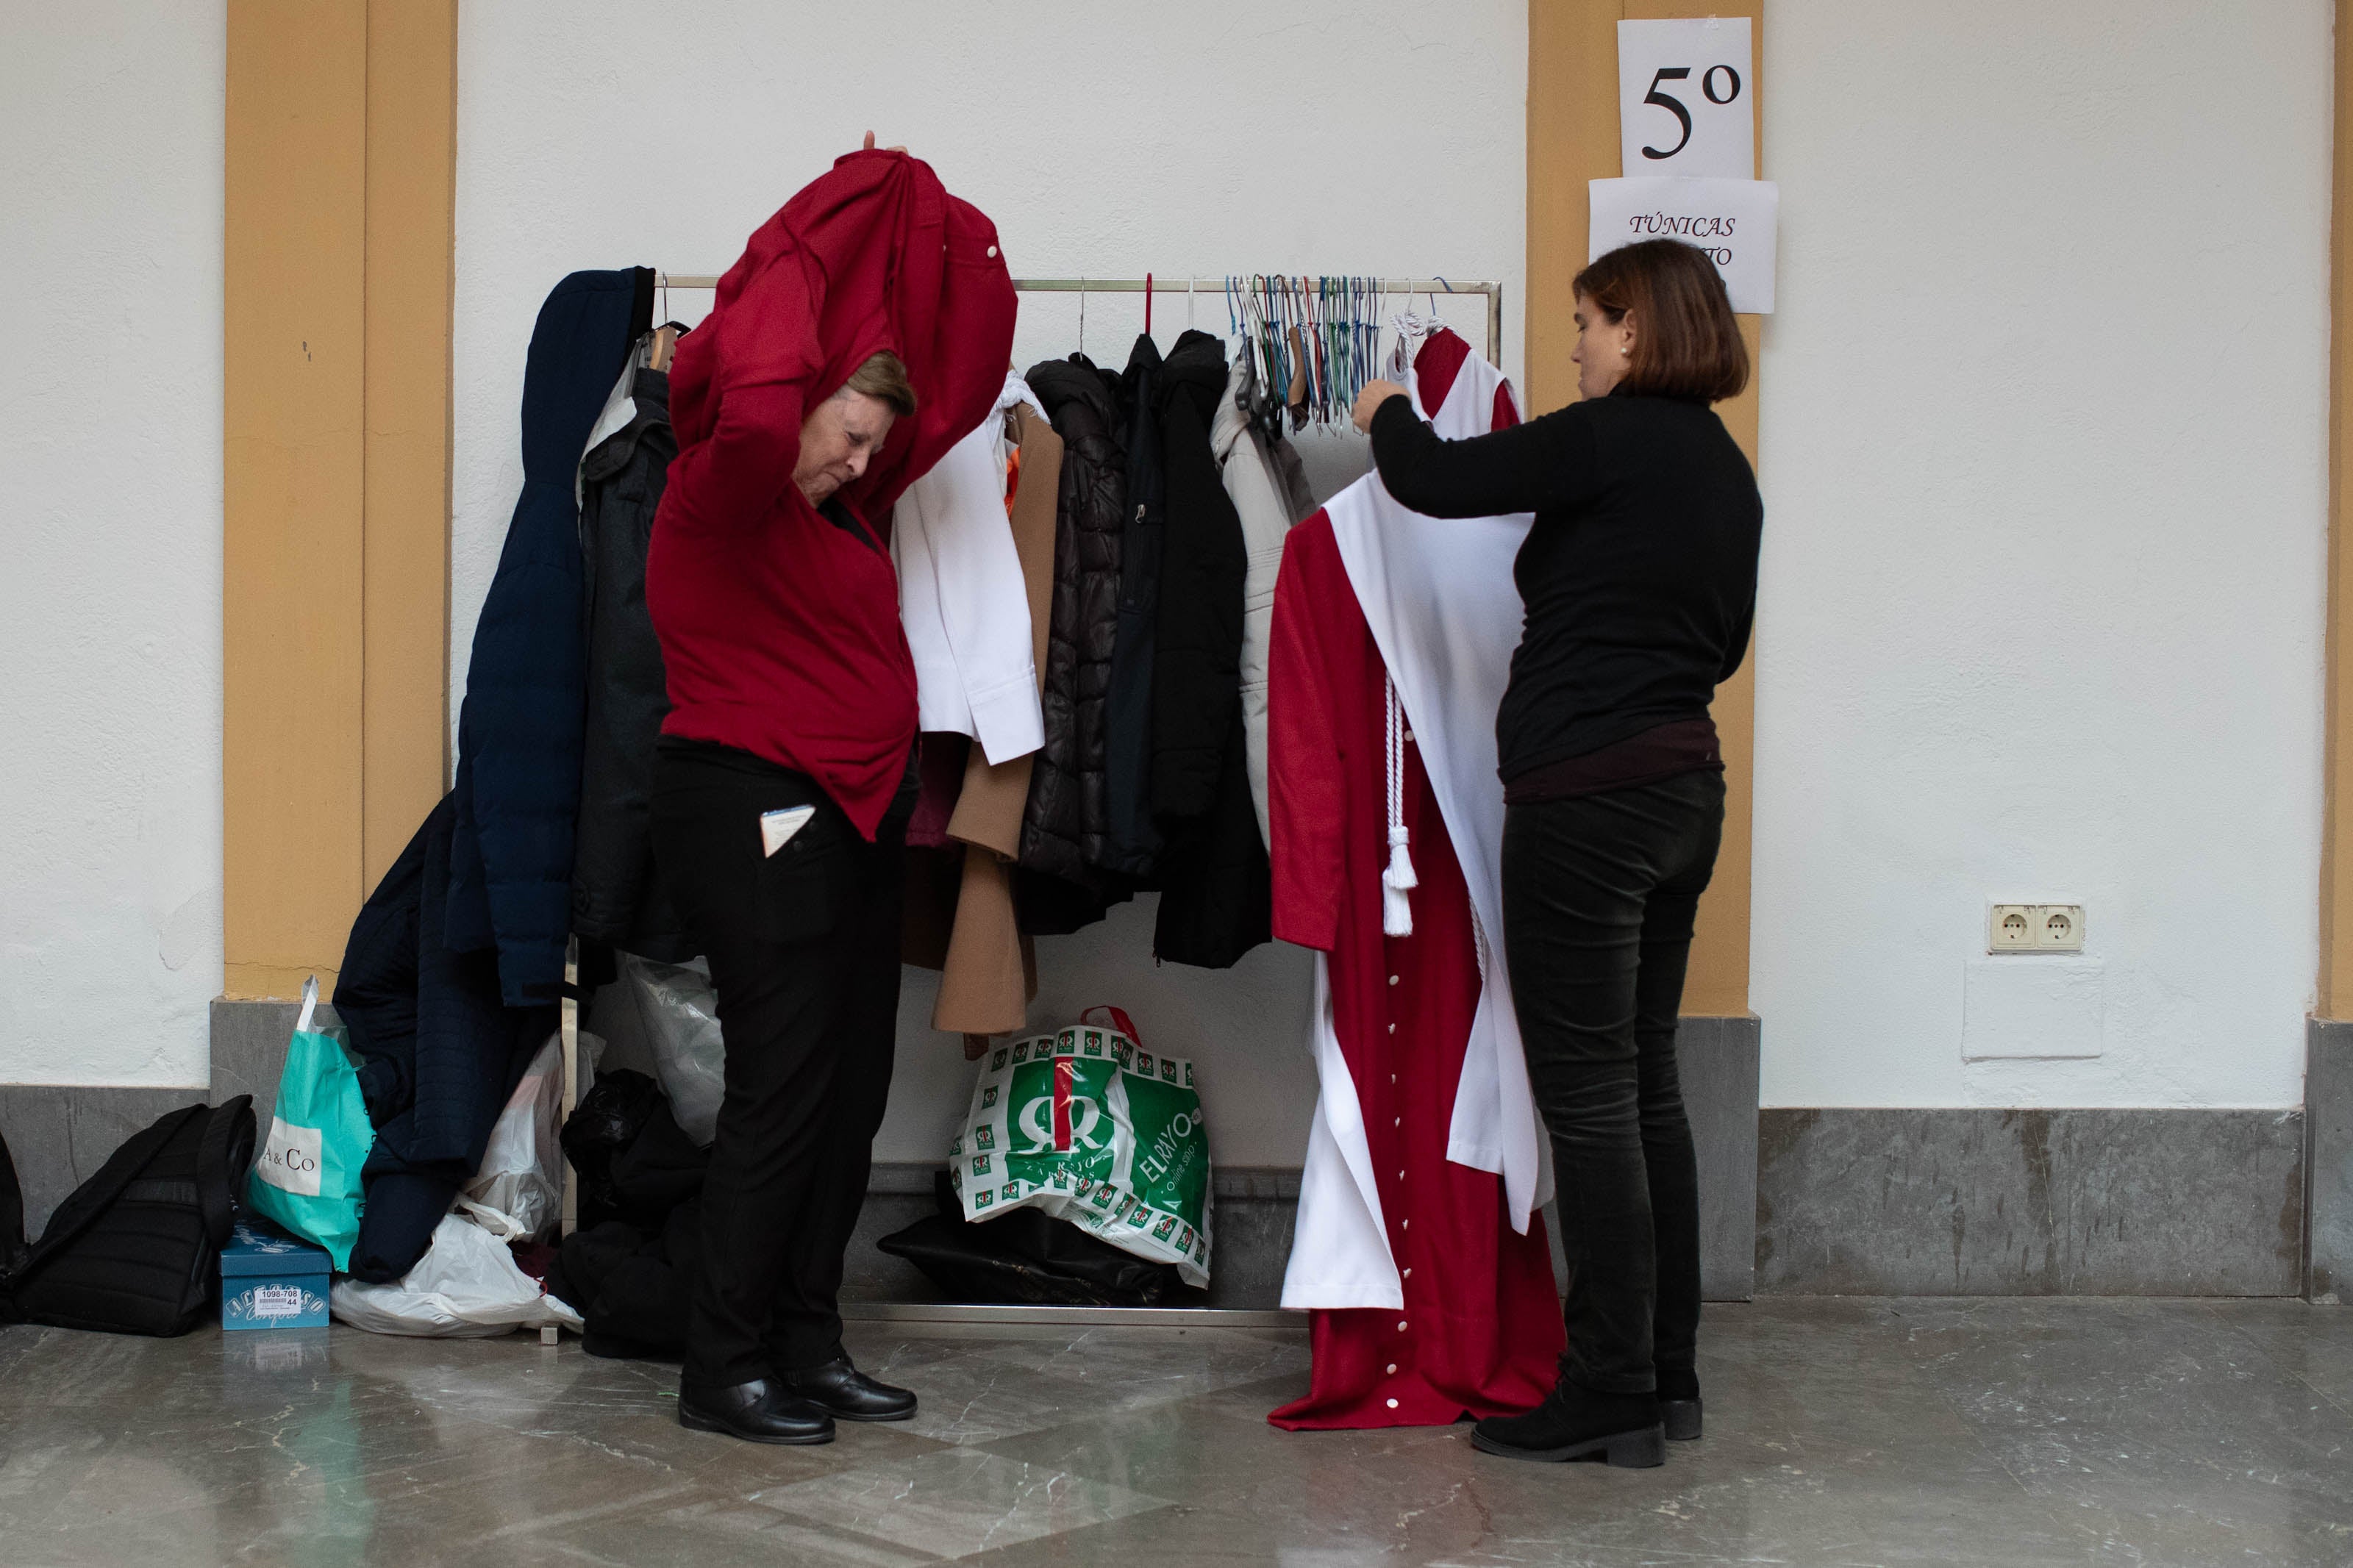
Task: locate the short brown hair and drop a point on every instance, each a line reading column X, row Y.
column 1686, row 342
column 884, row 378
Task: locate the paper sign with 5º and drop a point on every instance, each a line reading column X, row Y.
column 1686, row 98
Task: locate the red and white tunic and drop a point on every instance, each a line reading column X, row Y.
column 1432, row 1292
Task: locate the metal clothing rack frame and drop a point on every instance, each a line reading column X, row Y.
column 1170, row 284
column 1087, row 1317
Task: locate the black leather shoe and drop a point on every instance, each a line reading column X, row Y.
column 760, row 1411
column 1574, row 1422
column 848, row 1392
column 1679, row 1404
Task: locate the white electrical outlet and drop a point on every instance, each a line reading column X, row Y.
column 2059, row 928
column 2010, row 928
column 2034, row 928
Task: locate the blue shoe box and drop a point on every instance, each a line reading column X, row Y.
column 269, row 1280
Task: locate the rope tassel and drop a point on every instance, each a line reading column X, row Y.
column 1398, row 879
column 1396, row 910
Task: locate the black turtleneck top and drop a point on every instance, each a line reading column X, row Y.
column 1639, row 577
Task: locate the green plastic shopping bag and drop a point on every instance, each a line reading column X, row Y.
column 1089, row 1126
column 307, row 1176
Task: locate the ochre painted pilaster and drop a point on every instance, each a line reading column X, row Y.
column 2336, row 979
column 340, row 180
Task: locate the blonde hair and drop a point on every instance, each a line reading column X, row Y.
column 884, row 379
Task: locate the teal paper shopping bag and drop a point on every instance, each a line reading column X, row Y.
column 307, row 1176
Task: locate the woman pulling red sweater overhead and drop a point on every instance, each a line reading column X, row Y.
column 865, row 330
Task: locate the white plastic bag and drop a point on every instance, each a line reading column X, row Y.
column 466, row 1286
column 681, row 1014
column 518, row 1189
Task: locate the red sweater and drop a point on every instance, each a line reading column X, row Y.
column 779, row 626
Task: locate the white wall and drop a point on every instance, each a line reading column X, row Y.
column 111, row 148
column 1220, row 137
column 2044, row 460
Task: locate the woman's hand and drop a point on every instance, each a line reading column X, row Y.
column 1369, row 402
column 870, row 145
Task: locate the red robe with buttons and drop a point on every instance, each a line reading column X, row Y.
column 1481, row 1331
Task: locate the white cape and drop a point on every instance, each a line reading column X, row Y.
column 1446, row 614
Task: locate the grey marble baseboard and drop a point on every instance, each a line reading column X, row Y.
column 2328, row 1161
column 2031, row 1202
column 62, row 1133
column 250, row 1048
column 1718, row 1060
column 59, row 1134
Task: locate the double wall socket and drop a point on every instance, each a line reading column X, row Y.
column 2034, row 928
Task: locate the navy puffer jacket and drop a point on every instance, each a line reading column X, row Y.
column 520, row 725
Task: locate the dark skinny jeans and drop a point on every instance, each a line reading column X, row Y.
column 1599, row 895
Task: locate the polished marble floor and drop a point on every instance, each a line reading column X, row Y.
column 1840, row 1432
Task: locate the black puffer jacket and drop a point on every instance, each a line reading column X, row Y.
column 1215, row 898
column 1196, row 662
column 617, row 899
column 1065, row 829
column 1134, row 848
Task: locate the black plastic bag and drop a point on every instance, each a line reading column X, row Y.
column 1027, row 1258
column 601, row 1127
column 634, row 1286
column 661, row 1169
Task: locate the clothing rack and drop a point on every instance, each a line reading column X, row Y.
column 1192, row 285
column 1069, row 1317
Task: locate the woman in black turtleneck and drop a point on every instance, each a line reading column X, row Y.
column 1640, row 579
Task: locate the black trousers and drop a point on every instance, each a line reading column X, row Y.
column 804, row 950
column 1599, row 895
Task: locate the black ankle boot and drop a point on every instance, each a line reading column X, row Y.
column 760, row 1411
column 1679, row 1403
column 1574, row 1423
column 848, row 1392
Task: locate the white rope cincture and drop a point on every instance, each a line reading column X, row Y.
column 1396, row 910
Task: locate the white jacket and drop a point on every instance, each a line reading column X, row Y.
column 1266, row 519
column 962, row 598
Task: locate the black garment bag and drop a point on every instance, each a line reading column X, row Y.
column 1027, row 1256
